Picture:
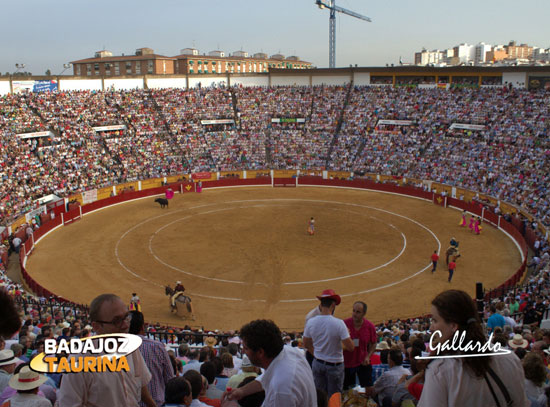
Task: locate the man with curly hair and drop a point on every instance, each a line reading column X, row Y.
column 287, row 380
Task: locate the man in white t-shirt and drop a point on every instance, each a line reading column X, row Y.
column 324, row 337
column 16, row 242
column 313, row 313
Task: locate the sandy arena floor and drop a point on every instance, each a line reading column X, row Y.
column 244, row 253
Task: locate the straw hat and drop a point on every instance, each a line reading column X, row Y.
column 246, row 362
column 7, row 357
column 27, row 379
column 210, row 341
column 382, row 346
column 518, row 342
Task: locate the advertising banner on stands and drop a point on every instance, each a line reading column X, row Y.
column 110, row 128
column 218, row 121
column 34, row 212
column 89, row 196
column 288, row 120
column 34, row 86
column 36, row 134
column 395, row 122
column 465, row 126
column 44, row 86
column 201, row 175
column 22, row 86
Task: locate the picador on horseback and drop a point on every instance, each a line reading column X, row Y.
column 452, row 252
column 176, row 295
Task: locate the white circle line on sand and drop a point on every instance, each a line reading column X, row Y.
column 306, row 200
column 140, row 224
column 361, row 272
column 221, row 280
column 263, row 284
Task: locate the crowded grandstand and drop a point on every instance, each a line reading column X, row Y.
column 490, row 140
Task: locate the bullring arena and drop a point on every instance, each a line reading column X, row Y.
column 401, row 171
column 243, row 253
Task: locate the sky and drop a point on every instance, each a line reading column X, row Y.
column 45, row 34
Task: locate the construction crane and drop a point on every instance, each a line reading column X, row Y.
column 332, row 26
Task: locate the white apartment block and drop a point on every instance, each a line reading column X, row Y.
column 481, row 50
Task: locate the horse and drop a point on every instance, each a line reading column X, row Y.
column 162, row 202
column 169, row 291
column 453, row 252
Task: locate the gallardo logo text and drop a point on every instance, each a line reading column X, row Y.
column 101, row 353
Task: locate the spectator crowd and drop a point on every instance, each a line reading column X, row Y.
column 331, row 359
column 161, row 132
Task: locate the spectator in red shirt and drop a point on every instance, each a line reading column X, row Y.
column 452, row 267
column 435, row 258
column 363, row 334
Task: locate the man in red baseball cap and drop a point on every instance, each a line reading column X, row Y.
column 324, row 338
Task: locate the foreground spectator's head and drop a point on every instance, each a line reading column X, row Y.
column 26, row 380
column 219, row 365
column 8, row 361
column 252, row 400
column 137, row 323
column 227, row 360
column 534, row 369
column 17, row 349
column 109, row 314
column 208, row 370
column 10, row 321
column 416, row 364
column 194, row 354
column 206, row 353
column 455, row 312
column 262, row 341
column 452, row 311
column 520, row 353
column 359, row 311
column 539, row 347
column 395, row 357
column 183, row 349
column 233, row 348
column 195, row 380
column 178, row 391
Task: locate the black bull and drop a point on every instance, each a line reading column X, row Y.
column 162, row 201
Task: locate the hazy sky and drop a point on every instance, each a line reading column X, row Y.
column 45, row 34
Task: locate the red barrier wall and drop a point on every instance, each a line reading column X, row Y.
column 228, row 182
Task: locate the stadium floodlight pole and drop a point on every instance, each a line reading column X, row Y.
column 331, row 5
column 65, row 67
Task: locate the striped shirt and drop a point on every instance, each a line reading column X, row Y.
column 157, row 360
